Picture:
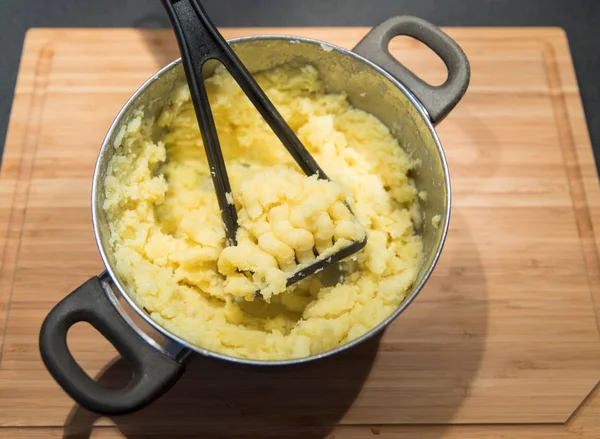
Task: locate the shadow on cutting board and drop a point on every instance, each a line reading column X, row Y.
column 215, row 398
column 162, row 43
column 424, row 364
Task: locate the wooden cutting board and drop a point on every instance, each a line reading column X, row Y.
column 502, row 342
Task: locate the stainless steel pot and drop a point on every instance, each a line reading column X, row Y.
column 374, row 82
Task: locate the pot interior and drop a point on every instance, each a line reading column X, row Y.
column 368, row 87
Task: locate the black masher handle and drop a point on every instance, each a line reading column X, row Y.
column 200, row 41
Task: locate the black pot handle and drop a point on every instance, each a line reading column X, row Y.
column 154, row 372
column 437, row 100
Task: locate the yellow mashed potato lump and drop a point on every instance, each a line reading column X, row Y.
column 287, row 221
column 168, row 239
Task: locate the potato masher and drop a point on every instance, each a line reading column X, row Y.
column 200, row 41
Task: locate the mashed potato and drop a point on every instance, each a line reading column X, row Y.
column 169, row 242
column 285, row 225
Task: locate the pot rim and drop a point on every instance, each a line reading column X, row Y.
column 212, row 354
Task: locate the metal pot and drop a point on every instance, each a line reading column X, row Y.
column 374, row 82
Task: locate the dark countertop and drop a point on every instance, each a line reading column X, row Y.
column 580, row 19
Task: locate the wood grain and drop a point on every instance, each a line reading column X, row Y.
column 505, row 332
